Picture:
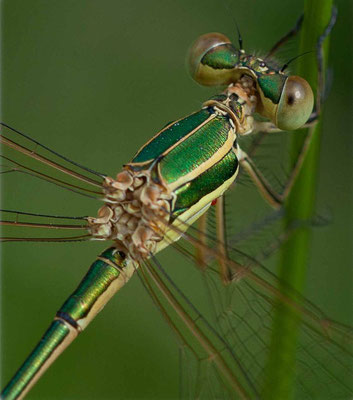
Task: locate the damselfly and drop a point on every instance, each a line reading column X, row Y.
column 138, row 87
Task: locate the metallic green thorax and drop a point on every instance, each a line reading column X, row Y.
column 195, row 159
column 193, row 156
column 171, row 181
column 191, row 192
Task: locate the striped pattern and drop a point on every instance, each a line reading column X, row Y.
column 106, row 276
column 193, row 157
column 187, row 149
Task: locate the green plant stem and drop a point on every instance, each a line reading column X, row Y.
column 280, row 371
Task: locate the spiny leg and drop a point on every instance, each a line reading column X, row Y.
column 274, row 198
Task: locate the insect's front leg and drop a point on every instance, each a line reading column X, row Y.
column 321, row 86
column 289, row 35
column 274, row 198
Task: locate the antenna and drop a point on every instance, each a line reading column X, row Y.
column 285, row 66
column 240, row 39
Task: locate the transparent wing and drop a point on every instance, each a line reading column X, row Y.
column 239, row 321
column 225, row 332
column 67, row 83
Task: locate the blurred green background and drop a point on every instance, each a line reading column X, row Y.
column 94, row 80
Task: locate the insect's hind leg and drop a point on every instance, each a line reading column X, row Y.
column 222, row 241
column 201, row 256
column 221, row 246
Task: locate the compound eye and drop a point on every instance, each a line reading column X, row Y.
column 201, row 47
column 295, row 105
column 210, row 58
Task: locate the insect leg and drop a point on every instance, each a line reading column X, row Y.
column 320, row 65
column 267, row 192
column 221, row 240
column 274, row 198
column 286, row 37
column 200, row 252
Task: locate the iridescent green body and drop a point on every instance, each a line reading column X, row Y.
column 196, row 157
column 194, row 160
column 191, row 192
column 227, row 64
column 286, row 100
column 182, row 150
column 106, row 275
column 56, row 334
